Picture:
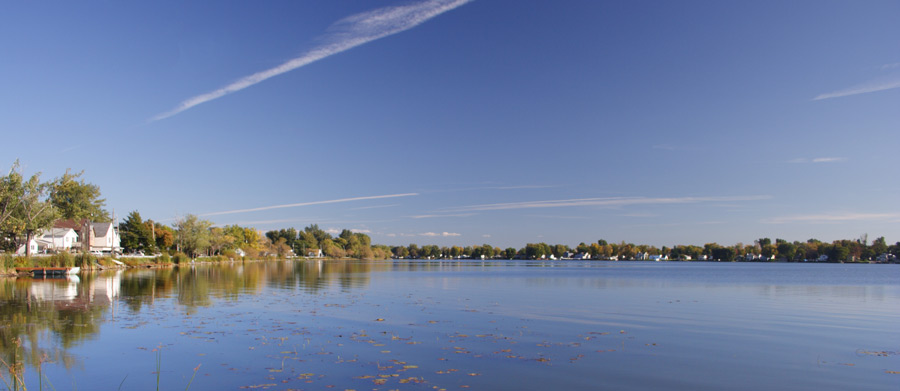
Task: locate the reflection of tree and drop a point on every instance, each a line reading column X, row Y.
column 28, row 318
column 50, row 316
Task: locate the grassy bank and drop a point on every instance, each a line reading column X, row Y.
column 9, row 262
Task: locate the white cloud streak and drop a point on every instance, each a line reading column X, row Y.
column 442, row 215
column 606, row 202
column 833, row 218
column 861, row 89
column 307, row 204
column 343, row 35
column 443, row 234
column 818, row 160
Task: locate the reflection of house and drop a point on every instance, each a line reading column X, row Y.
column 314, row 253
column 74, row 294
column 58, row 239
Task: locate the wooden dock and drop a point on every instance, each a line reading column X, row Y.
column 49, row 271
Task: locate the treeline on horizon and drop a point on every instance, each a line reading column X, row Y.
column 28, row 206
column 763, row 249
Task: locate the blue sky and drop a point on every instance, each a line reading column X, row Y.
column 455, row 122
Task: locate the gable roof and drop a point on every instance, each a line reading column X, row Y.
column 56, row 232
column 101, row 229
column 75, row 225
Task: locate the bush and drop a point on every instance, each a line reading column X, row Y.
column 62, row 259
column 164, row 258
column 86, row 261
column 7, row 261
column 180, row 258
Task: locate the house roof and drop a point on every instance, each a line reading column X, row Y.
column 75, row 225
column 56, row 232
column 101, row 229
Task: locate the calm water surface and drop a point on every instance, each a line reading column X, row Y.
column 458, row 325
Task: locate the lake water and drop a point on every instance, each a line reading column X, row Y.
column 458, row 325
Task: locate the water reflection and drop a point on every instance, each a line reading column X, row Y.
column 700, row 311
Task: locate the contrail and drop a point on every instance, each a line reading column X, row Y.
column 345, row 34
column 307, row 204
column 862, row 89
column 606, row 202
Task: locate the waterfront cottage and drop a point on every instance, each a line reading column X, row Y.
column 58, row 239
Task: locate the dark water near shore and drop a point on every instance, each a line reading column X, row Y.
column 458, row 325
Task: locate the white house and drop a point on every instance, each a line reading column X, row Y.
column 33, row 246
column 58, row 239
column 104, row 237
column 314, row 253
column 240, row 252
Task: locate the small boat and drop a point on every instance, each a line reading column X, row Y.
column 49, row 271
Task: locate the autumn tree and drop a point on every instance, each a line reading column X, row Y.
column 192, row 234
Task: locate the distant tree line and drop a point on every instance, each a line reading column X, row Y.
column 29, row 205
column 762, row 249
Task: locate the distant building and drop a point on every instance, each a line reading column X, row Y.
column 58, row 239
column 314, row 253
column 32, row 248
column 104, row 237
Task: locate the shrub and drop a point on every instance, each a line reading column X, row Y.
column 7, row 261
column 164, row 258
column 22, row 261
column 62, row 259
column 86, row 261
column 180, row 258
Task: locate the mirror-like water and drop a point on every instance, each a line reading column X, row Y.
column 457, row 325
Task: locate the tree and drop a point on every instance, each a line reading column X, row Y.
column 192, row 234
column 787, row 250
column 163, row 234
column 219, row 240
column 135, row 234
column 24, row 205
column 724, row 254
column 76, row 200
column 879, row 246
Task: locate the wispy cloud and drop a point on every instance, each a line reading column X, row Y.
column 345, row 34
column 833, row 218
column 862, row 89
column 443, row 234
column 818, row 160
column 374, row 207
column 890, row 66
column 607, row 202
column 441, row 215
column 307, row 204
